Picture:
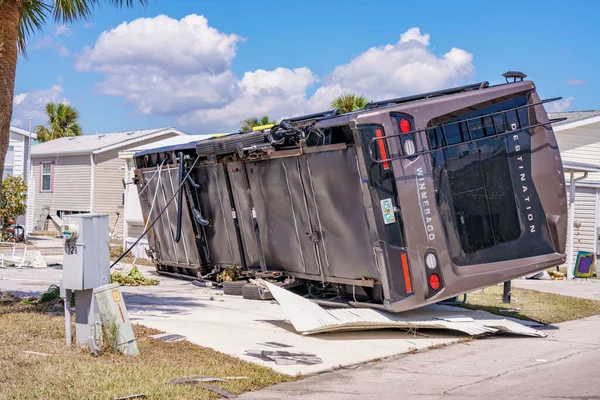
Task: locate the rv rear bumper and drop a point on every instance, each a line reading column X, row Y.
column 456, row 287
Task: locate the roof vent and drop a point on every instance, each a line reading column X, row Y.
column 73, row 138
column 514, row 75
column 130, row 133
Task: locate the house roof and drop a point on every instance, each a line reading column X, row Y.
column 96, row 144
column 168, row 142
column 574, row 119
column 23, row 132
column 580, row 167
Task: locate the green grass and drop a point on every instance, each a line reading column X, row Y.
column 72, row 373
column 537, row 306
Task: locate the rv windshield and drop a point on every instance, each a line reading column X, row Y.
column 484, row 184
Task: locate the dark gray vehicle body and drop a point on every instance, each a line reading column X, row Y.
column 491, row 208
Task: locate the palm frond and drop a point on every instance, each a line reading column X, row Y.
column 63, row 121
column 66, row 11
column 35, row 13
column 43, row 133
column 349, row 102
column 251, row 122
column 127, row 3
column 33, row 19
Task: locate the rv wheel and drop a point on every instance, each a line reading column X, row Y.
column 233, row 288
column 255, row 292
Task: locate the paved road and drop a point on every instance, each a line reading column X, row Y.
column 565, row 365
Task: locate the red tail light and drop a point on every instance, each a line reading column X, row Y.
column 404, row 125
column 434, row 281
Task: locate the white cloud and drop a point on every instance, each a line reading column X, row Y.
column 162, row 44
column 278, row 93
column 576, row 82
column 63, row 52
column 165, row 66
column 48, row 42
column 402, row 68
column 32, row 104
column 415, row 34
column 559, row 105
column 43, row 43
column 62, row 30
column 182, row 68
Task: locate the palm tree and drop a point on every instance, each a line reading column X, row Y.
column 251, row 122
column 19, row 19
column 349, row 102
column 62, row 122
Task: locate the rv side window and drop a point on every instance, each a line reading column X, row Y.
column 471, row 126
column 330, row 135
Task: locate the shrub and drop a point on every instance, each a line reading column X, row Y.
column 14, row 194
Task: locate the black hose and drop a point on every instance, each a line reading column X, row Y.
column 180, row 198
column 195, row 212
column 191, row 181
column 155, row 219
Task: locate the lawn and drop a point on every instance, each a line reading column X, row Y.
column 72, row 373
column 532, row 305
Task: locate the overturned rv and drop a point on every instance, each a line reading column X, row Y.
column 410, row 201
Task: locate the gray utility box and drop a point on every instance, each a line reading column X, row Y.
column 86, row 263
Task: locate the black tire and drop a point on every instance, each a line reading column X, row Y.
column 233, row 288
column 255, row 292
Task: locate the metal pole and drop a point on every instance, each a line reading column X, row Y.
column 68, row 335
column 571, row 225
column 507, row 292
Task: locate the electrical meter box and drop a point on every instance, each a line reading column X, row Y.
column 86, row 263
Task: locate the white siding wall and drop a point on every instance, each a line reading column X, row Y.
column 109, row 171
column 581, row 144
column 18, row 163
column 71, row 185
column 585, row 212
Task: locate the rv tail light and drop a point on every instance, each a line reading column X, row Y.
column 409, row 147
column 434, row 281
column 431, row 261
column 404, row 125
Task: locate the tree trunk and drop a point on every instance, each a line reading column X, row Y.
column 10, row 15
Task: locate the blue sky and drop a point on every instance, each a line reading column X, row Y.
column 207, row 64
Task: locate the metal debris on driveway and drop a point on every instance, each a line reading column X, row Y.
column 195, row 379
column 309, row 318
column 220, row 391
column 281, row 357
column 274, row 344
column 169, row 337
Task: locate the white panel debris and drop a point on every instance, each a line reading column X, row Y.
column 309, row 318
